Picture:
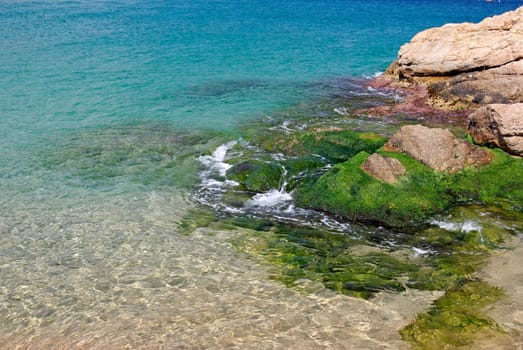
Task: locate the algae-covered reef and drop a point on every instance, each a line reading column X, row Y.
column 455, row 318
column 325, row 171
column 425, row 208
column 335, row 145
column 427, row 229
column 349, row 191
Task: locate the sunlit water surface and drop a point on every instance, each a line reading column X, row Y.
column 108, row 110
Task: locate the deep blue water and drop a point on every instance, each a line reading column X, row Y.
column 99, row 100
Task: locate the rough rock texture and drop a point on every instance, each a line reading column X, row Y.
column 456, row 48
column 467, row 64
column 497, row 85
column 383, row 168
column 412, row 103
column 499, row 125
column 437, row 148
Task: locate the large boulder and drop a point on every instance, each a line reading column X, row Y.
column 467, row 64
column 437, row 148
column 499, row 125
column 466, row 47
column 383, row 168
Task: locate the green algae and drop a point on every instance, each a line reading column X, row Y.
column 499, row 183
column 348, row 191
column 151, row 155
column 305, row 156
column 355, row 267
column 334, row 145
column 309, row 259
column 456, row 319
column 196, row 218
column 256, row 176
column 350, row 266
column 445, row 270
column 300, row 169
column 308, row 254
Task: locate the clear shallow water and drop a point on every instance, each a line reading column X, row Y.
column 106, row 107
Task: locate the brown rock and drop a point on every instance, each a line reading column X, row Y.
column 465, row 65
column 413, row 104
column 466, row 47
column 499, row 125
column 383, row 168
column 437, row 148
column 496, row 85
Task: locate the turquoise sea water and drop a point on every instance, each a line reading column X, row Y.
column 105, row 107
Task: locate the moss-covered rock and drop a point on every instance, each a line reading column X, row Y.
column 307, row 163
column 350, row 266
column 256, row 176
column 305, row 168
column 500, row 183
column 334, row 145
column 348, row 191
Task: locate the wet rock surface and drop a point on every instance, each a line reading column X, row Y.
column 497, row 85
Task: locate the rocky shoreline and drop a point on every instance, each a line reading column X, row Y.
column 468, row 77
column 465, row 74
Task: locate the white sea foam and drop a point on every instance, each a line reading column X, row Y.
column 446, row 225
column 283, row 126
column 216, row 161
column 375, row 75
column 466, row 226
column 276, row 203
column 342, row 111
column 421, row 252
column 272, row 198
column 278, row 156
column 469, row 226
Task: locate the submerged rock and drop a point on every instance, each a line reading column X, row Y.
column 335, row 145
column 499, row 125
column 384, row 168
column 255, row 175
column 437, row 148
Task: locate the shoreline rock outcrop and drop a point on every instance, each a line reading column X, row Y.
column 466, row 47
column 499, row 125
column 463, row 74
column 467, row 64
